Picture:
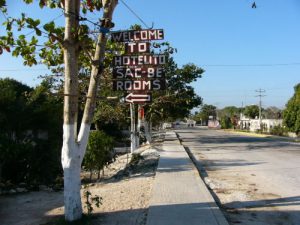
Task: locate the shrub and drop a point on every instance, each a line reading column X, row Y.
column 226, row 123
column 277, row 130
column 99, row 152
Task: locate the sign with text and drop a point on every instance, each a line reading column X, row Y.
column 137, row 47
column 137, row 35
column 139, row 60
column 139, row 85
column 141, row 98
column 138, row 72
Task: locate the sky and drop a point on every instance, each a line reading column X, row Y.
column 240, row 48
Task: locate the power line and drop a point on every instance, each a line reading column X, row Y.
column 135, row 14
column 8, row 70
column 48, row 22
column 252, row 65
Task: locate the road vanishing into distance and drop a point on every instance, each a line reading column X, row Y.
column 255, row 180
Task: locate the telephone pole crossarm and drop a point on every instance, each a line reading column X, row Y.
column 260, row 91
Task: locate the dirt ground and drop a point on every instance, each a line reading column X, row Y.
column 245, row 198
column 126, row 191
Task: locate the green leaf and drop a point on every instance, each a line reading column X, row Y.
column 37, row 22
column 42, row 4
column 28, row 1
column 34, row 41
column 49, row 27
column 52, row 5
column 38, row 32
column 16, row 52
column 22, row 36
column 2, row 3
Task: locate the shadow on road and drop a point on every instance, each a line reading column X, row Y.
column 288, row 201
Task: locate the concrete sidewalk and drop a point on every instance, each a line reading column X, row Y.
column 179, row 196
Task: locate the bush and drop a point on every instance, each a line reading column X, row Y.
column 277, row 130
column 226, row 123
column 99, row 152
column 30, row 161
column 30, row 134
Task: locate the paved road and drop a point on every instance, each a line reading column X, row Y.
column 256, row 180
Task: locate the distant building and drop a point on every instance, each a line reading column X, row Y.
column 214, row 124
column 253, row 124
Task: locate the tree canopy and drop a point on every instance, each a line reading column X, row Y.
column 251, row 111
column 205, row 112
column 291, row 114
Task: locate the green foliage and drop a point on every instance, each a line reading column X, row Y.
column 30, row 135
column 2, row 3
column 90, row 200
column 251, row 111
column 226, row 122
column 205, row 112
column 277, row 130
column 291, row 114
column 180, row 97
column 33, row 48
column 272, row 113
column 230, row 111
column 98, row 152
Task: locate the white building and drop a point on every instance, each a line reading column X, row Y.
column 253, row 124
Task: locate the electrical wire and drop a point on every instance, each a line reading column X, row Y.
column 251, row 65
column 31, row 32
column 10, row 70
column 135, row 14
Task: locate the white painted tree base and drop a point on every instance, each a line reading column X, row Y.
column 71, row 158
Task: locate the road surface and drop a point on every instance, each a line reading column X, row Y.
column 255, row 180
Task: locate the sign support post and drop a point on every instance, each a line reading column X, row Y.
column 138, row 127
column 132, row 128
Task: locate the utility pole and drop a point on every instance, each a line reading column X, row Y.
column 260, row 91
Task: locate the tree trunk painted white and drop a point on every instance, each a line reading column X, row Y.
column 70, row 156
column 74, row 147
column 72, row 167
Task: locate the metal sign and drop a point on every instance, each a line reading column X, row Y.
column 137, row 35
column 138, row 98
column 139, row 85
column 137, row 47
column 139, row 60
column 138, row 72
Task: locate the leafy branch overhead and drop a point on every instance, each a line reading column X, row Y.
column 37, row 43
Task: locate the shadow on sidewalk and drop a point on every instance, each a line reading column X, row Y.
column 196, row 213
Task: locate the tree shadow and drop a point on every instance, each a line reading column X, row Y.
column 224, row 164
column 200, row 214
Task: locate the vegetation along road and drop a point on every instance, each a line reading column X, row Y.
column 255, row 180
